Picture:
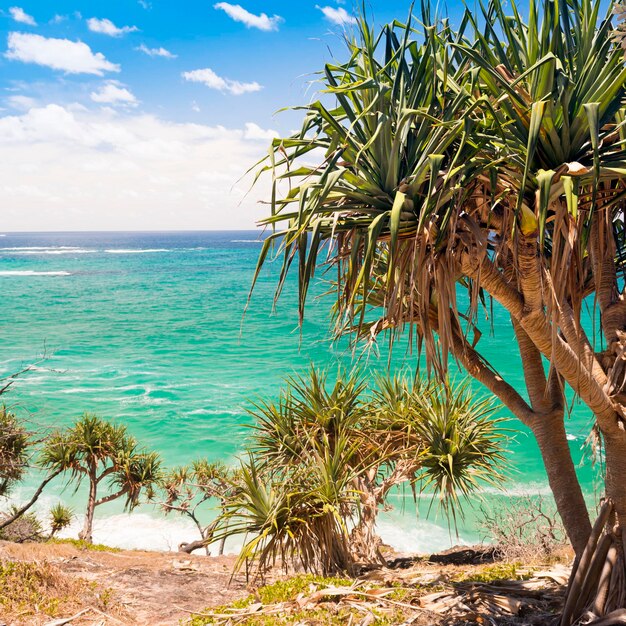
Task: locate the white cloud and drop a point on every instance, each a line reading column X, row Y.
column 74, row 57
column 146, row 5
column 155, row 52
column 254, row 131
column 239, row 14
column 19, row 15
column 57, row 19
column 337, row 16
column 21, row 103
column 107, row 27
column 209, row 78
column 113, row 92
column 69, row 168
column 195, row 107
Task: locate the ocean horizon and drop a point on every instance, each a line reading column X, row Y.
column 148, row 328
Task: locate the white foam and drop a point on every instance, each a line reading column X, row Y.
column 140, row 531
column 516, row 490
column 56, row 252
column 136, row 250
column 419, row 537
column 32, row 273
column 143, row 530
column 47, row 250
column 216, row 412
column 245, row 241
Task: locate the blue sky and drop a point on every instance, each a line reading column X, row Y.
column 144, row 114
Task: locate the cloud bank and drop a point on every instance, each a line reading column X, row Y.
column 73, row 57
column 72, row 168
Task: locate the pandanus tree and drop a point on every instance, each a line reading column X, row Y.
column 326, row 455
column 187, row 489
column 95, row 450
column 15, row 443
column 60, row 517
column 476, row 164
column 17, row 450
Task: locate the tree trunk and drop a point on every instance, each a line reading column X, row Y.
column 550, row 434
column 615, row 459
column 365, row 543
column 189, row 547
column 86, row 533
column 596, row 593
column 207, row 537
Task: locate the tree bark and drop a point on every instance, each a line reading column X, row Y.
column 364, row 542
column 549, row 431
column 615, row 458
column 207, row 537
column 545, row 419
column 86, row 533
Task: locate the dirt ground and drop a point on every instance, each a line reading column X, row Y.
column 142, row 588
column 138, row 588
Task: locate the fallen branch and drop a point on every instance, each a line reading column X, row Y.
column 67, row 620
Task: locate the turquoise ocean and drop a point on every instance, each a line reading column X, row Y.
column 149, row 329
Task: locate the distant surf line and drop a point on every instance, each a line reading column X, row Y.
column 33, row 273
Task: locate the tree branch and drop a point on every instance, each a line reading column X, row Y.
column 477, row 367
column 540, row 332
column 577, row 338
column 534, row 372
column 107, row 472
column 9, row 520
column 111, row 497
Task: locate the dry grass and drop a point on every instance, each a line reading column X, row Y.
column 33, row 592
column 40, row 582
column 153, row 588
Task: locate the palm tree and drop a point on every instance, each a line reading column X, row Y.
column 60, row 518
column 16, row 451
column 325, row 456
column 15, row 442
column 488, row 160
column 95, row 449
column 184, row 490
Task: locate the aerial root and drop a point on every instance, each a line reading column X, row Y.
column 596, row 594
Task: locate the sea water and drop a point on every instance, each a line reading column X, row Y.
column 149, row 329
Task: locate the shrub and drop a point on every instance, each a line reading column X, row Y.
column 528, row 528
column 25, row 528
